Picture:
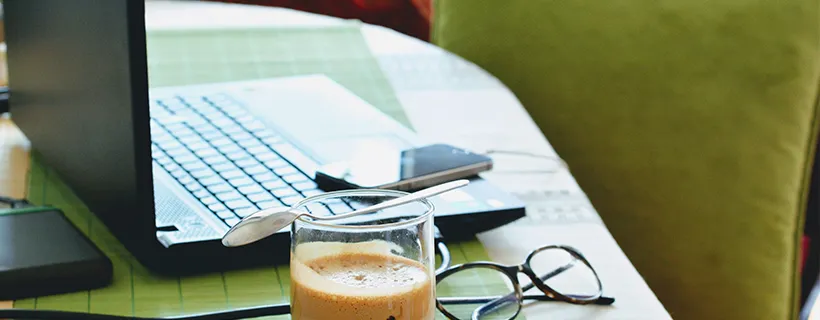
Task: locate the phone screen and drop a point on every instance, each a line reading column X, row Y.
column 383, row 167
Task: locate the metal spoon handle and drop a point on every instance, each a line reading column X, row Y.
column 421, row 194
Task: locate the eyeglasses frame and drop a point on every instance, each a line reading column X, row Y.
column 511, row 271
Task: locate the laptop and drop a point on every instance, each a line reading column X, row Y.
column 169, row 170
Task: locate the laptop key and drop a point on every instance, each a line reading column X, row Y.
column 293, row 178
column 232, row 174
column 275, row 184
column 304, row 185
column 250, row 143
column 172, row 167
column 278, row 163
column 209, row 152
column 356, row 205
column 191, row 139
column 214, row 115
column 226, row 166
column 238, row 203
column 219, row 188
column 216, row 207
column 245, row 119
column 193, row 166
column 182, row 132
column 225, row 214
column 259, row 197
column 251, row 189
column 239, row 182
column 198, row 146
column 244, row 212
column 186, row 179
column 282, row 171
column 223, row 123
column 318, row 209
column 312, row 192
column 338, row 208
column 236, row 156
column 284, row 192
column 161, row 137
column 212, row 135
column 164, row 160
column 193, row 186
column 215, row 160
column 228, row 196
column 245, row 163
column 221, row 142
column 231, row 221
column 205, row 128
column 265, row 155
column 179, row 174
column 256, row 170
column 269, row 204
column 229, row 148
column 291, row 200
column 201, row 193
column 196, row 120
column 241, row 135
column 170, row 145
column 265, row 176
column 178, row 152
column 210, row 181
column 183, row 159
column 271, row 140
column 203, row 173
column 209, row 201
column 231, row 128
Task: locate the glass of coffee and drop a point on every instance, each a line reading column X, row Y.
column 372, row 266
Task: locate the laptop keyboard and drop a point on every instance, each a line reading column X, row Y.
column 229, row 160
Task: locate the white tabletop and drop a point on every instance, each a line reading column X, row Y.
column 448, row 100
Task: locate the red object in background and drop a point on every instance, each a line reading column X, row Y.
column 400, row 15
column 804, row 252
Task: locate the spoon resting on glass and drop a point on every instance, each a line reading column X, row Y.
column 266, row 222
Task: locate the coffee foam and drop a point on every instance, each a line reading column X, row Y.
column 359, row 281
column 368, row 271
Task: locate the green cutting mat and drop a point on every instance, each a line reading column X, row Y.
column 189, row 57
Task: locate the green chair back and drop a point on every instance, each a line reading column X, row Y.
column 689, row 124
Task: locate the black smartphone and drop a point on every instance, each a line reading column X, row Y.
column 409, row 169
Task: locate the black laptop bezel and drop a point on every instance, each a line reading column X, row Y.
column 80, row 84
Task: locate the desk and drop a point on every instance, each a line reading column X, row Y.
column 473, row 110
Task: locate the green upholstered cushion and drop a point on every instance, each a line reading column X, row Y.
column 689, row 124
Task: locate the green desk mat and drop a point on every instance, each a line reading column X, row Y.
column 189, row 57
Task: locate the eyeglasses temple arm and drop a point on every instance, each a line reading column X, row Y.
column 495, row 303
column 540, row 297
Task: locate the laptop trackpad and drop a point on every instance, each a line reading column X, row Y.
column 353, row 148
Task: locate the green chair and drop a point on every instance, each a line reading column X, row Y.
column 691, row 125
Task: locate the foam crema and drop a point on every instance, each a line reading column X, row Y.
column 359, row 281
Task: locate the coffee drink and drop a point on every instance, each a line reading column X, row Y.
column 357, row 284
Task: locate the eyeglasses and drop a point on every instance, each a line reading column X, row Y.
column 487, row 290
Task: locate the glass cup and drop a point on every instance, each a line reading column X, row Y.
column 372, row 266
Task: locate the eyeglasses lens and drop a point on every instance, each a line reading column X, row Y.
column 565, row 273
column 487, row 292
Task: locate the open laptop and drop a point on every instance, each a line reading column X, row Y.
column 169, row 170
